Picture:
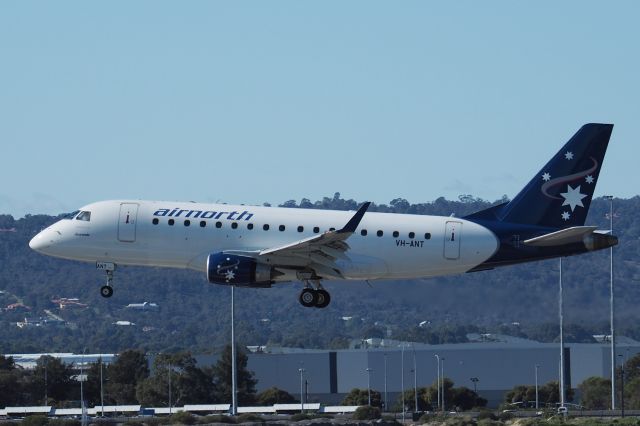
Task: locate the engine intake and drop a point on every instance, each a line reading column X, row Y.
column 244, row 271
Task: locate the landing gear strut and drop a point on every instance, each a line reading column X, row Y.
column 107, row 290
column 318, row 297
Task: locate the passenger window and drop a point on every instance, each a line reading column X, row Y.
column 265, row 227
column 249, row 226
column 84, row 216
column 234, row 225
column 412, row 235
column 427, row 236
column 155, row 221
column 218, row 224
column 171, row 222
column 379, row 233
column 363, row 232
column 396, row 234
column 281, row 228
column 187, row 222
column 300, row 228
column 203, row 224
column 316, row 229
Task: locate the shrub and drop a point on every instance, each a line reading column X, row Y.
column 299, row 416
column 487, row 414
column 182, row 418
column 506, row 416
column 216, row 419
column 35, row 421
column 64, row 422
column 366, row 412
column 132, row 422
column 249, row 418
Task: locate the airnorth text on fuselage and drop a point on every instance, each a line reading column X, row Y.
column 204, row 214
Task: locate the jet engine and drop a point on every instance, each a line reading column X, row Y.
column 243, row 271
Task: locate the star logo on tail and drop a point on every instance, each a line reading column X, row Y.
column 573, row 197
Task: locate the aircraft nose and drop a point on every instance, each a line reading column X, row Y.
column 44, row 240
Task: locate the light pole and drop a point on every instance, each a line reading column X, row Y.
column 415, row 382
column 475, row 381
column 385, row 382
column 442, row 375
column 561, row 314
column 46, row 398
column 82, row 409
column 170, row 405
column 234, row 372
column 438, row 382
column 612, row 309
column 622, row 385
column 402, row 382
column 301, row 370
column 536, row 375
column 101, row 391
column 369, row 370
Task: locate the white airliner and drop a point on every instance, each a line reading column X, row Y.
column 260, row 246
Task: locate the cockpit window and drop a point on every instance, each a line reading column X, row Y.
column 70, row 215
column 84, row 216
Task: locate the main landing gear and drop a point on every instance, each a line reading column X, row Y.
column 318, row 298
column 108, row 267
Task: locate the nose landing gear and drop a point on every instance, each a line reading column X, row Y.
column 108, row 267
column 318, row 297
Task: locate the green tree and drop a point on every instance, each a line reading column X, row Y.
column 123, row 375
column 361, row 397
column 222, row 376
column 596, row 393
column 465, row 399
column 632, row 394
column 424, row 401
column 274, row 395
column 59, row 382
column 189, row 384
column 10, row 389
column 549, row 393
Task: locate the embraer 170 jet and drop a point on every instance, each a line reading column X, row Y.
column 261, row 246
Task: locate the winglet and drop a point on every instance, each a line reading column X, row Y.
column 353, row 223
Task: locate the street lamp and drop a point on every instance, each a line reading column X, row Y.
column 438, row 382
column 561, row 315
column 385, row 382
column 234, row 372
column 536, row 375
column 415, row 382
column 442, row 375
column 301, row 370
column 402, row 383
column 612, row 309
column 170, row 405
column 475, row 381
column 101, row 391
column 622, row 384
column 369, row 370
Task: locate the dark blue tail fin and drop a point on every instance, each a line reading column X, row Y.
column 560, row 194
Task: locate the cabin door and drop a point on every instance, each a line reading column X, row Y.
column 127, row 222
column 452, row 234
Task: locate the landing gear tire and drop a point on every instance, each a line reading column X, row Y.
column 323, row 298
column 106, row 291
column 308, row 298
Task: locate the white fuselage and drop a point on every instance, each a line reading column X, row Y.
column 141, row 233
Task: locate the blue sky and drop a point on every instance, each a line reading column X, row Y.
column 251, row 102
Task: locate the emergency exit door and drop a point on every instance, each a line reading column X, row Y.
column 452, row 234
column 127, row 222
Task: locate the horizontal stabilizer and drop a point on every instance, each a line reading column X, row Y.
column 571, row 235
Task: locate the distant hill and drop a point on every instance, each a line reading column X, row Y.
column 192, row 314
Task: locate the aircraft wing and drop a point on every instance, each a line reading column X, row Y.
column 317, row 253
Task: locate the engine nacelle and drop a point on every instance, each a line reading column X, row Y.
column 243, row 271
